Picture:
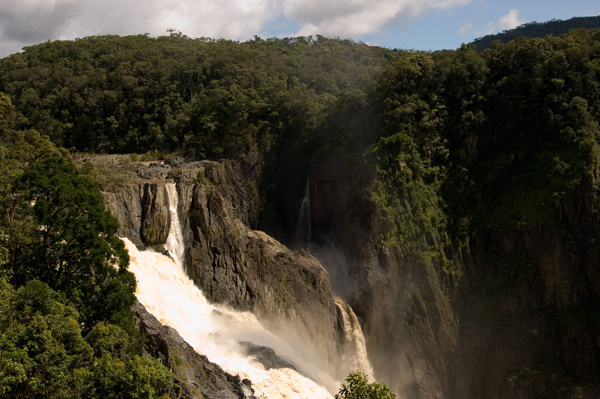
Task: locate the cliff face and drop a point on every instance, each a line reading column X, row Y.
column 521, row 321
column 529, row 319
column 409, row 325
column 198, row 378
column 233, row 264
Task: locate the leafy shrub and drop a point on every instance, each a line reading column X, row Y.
column 359, row 388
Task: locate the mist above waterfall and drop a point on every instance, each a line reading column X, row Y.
column 326, row 250
column 332, row 257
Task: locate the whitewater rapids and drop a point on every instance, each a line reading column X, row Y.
column 214, row 331
column 171, row 296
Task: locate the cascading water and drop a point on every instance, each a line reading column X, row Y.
column 356, row 357
column 303, row 232
column 171, row 296
column 355, row 354
column 174, row 242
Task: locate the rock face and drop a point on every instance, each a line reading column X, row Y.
column 155, row 224
column 524, row 321
column 249, row 270
column 409, row 324
column 232, row 263
column 198, row 377
column 533, row 331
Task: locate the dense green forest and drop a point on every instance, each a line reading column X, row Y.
column 65, row 293
column 555, row 27
column 202, row 97
column 456, row 140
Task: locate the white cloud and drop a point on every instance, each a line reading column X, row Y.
column 511, row 20
column 465, row 29
column 25, row 22
column 354, row 18
column 35, row 20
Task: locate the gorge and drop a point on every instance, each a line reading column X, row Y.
column 219, row 332
column 294, row 209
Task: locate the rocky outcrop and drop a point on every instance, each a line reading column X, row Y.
column 249, row 270
column 155, row 224
column 233, row 264
column 125, row 205
column 265, row 356
column 197, row 376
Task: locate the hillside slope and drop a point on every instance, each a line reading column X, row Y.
column 555, row 27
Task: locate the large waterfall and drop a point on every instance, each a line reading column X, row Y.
column 171, row 296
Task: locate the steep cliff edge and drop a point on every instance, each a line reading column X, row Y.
column 234, row 265
column 409, row 324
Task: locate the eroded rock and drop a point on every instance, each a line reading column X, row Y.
column 198, row 377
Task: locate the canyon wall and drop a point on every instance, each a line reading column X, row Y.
column 529, row 313
column 409, row 324
column 233, row 264
column 521, row 320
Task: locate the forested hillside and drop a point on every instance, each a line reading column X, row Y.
column 530, row 30
column 202, row 97
column 457, row 161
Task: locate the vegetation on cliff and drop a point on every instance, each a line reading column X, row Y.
column 358, row 387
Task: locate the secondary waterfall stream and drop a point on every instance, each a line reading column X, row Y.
column 303, row 231
column 356, row 358
column 171, row 296
column 355, row 351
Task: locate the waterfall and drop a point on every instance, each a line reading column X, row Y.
column 355, row 351
column 303, row 233
column 215, row 331
column 174, row 242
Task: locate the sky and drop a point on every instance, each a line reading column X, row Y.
column 405, row 24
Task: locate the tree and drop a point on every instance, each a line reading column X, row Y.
column 43, row 354
column 72, row 245
column 359, row 388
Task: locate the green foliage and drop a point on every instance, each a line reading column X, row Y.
column 207, row 98
column 201, row 177
column 72, row 246
column 65, row 292
column 358, row 387
column 43, row 354
column 153, row 155
column 500, row 138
